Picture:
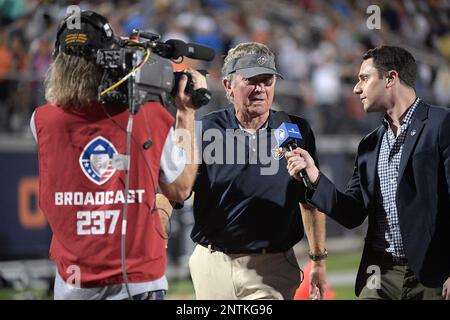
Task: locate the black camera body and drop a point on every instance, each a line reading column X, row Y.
column 118, row 58
column 154, row 80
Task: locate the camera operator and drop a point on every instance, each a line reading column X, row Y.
column 81, row 144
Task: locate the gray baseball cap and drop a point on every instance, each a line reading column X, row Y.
column 251, row 65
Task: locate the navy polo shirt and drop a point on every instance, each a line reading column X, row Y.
column 236, row 206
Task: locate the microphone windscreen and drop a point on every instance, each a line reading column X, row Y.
column 197, row 51
column 287, row 133
column 178, row 48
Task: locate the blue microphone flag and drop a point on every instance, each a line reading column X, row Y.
column 287, row 133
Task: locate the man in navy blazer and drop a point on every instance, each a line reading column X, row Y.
column 401, row 181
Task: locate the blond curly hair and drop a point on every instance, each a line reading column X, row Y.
column 72, row 82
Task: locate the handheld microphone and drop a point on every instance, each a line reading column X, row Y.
column 288, row 137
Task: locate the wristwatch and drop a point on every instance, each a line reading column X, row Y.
column 318, row 256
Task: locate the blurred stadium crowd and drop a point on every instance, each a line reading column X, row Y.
column 318, row 43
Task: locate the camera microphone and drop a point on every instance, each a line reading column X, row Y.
column 147, row 144
column 199, row 52
column 174, row 49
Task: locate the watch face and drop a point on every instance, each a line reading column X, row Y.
column 319, row 256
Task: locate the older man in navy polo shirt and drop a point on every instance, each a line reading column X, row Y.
column 246, row 206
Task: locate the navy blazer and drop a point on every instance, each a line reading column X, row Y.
column 422, row 195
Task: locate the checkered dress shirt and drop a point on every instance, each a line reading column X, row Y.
column 387, row 229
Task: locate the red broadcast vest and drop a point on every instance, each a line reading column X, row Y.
column 82, row 194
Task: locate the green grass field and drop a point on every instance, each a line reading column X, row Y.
column 343, row 262
column 183, row 289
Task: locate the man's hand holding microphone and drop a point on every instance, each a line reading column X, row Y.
column 299, row 159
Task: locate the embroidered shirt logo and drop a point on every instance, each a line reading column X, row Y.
column 96, row 160
column 278, row 153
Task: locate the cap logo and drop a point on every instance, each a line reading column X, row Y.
column 261, row 60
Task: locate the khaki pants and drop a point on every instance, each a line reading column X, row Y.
column 219, row 276
column 397, row 282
